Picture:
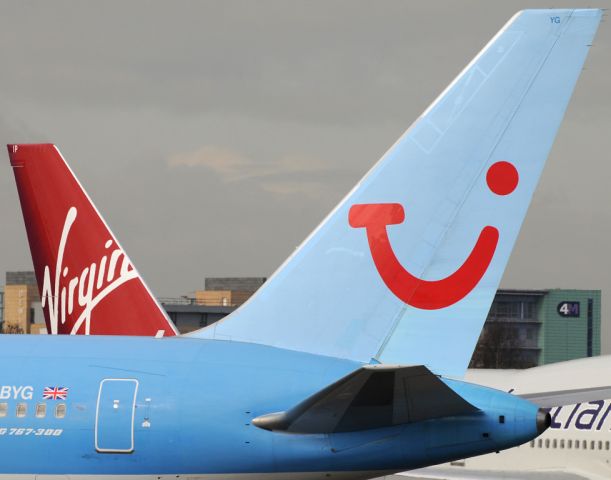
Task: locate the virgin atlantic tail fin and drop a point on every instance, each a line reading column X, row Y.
column 405, row 268
column 87, row 283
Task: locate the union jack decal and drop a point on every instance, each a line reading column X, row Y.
column 55, row 393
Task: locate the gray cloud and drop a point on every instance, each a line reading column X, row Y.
column 286, row 175
column 229, row 164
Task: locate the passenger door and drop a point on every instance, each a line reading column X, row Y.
column 114, row 425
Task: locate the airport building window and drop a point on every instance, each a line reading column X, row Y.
column 528, row 310
column 41, row 410
column 506, row 310
column 60, row 410
column 22, row 410
column 512, row 310
column 3, row 409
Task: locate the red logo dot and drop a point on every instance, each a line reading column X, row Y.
column 502, row 178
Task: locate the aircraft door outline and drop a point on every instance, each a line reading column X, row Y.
column 115, row 415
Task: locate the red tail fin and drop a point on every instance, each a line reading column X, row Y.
column 87, row 282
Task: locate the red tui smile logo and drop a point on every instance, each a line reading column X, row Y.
column 502, row 179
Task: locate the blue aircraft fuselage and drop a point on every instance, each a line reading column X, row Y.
column 182, row 406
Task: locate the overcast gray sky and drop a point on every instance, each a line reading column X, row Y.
column 214, row 136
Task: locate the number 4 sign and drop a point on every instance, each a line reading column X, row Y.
column 568, row 309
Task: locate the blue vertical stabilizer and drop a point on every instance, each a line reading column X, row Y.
column 405, row 268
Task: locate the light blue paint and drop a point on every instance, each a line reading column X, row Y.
column 328, row 298
column 115, row 415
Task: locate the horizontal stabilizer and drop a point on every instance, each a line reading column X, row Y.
column 567, row 397
column 374, row 396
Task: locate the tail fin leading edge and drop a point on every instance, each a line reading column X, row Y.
column 405, row 268
column 87, row 283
